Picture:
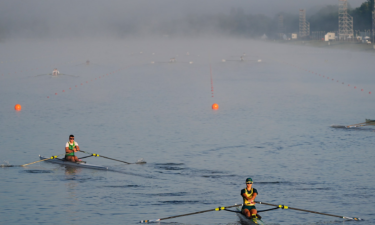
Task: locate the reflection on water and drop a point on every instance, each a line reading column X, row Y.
column 73, row 205
column 70, row 170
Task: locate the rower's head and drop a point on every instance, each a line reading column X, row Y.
column 249, row 181
column 71, row 138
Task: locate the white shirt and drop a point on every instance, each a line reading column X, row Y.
column 55, row 72
column 67, row 144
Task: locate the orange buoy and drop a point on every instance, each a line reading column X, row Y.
column 215, row 106
column 17, row 107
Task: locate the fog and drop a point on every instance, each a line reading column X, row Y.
column 60, row 19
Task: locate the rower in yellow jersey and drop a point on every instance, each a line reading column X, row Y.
column 249, row 194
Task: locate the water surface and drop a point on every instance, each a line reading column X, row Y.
column 273, row 125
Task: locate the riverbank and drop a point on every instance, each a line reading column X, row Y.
column 345, row 45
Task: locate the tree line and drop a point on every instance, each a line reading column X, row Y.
column 236, row 22
column 239, row 23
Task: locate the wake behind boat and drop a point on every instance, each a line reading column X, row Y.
column 74, row 164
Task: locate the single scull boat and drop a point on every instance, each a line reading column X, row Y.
column 68, row 163
column 246, row 220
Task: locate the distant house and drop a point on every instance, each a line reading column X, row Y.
column 294, row 36
column 329, row 36
column 363, row 36
column 264, row 37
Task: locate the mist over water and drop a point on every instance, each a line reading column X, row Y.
column 43, row 20
column 130, row 102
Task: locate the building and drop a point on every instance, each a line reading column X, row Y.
column 329, row 36
column 304, row 26
column 345, row 22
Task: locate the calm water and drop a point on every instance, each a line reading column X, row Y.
column 273, row 125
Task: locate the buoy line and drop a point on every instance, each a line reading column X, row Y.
column 323, row 76
column 94, row 79
column 316, row 73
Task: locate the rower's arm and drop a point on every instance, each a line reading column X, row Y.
column 250, row 199
column 67, row 150
column 245, row 196
column 77, row 149
column 253, row 198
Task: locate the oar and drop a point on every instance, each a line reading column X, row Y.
column 86, row 157
column 357, row 125
column 97, row 155
column 350, row 126
column 171, row 217
column 303, row 210
column 52, row 157
column 68, row 75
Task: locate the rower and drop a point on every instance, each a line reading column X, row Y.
column 70, row 148
column 249, row 194
column 55, row 72
column 87, row 62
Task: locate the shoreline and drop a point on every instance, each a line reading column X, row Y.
column 343, row 45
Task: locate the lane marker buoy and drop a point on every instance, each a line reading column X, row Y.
column 215, row 106
column 17, row 107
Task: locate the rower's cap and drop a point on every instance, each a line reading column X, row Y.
column 249, row 180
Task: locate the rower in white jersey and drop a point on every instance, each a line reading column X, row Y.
column 55, row 72
column 70, row 148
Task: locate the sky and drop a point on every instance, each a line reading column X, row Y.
column 95, row 16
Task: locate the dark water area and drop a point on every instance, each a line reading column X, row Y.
column 273, row 125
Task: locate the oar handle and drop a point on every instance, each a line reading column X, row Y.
column 86, row 157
